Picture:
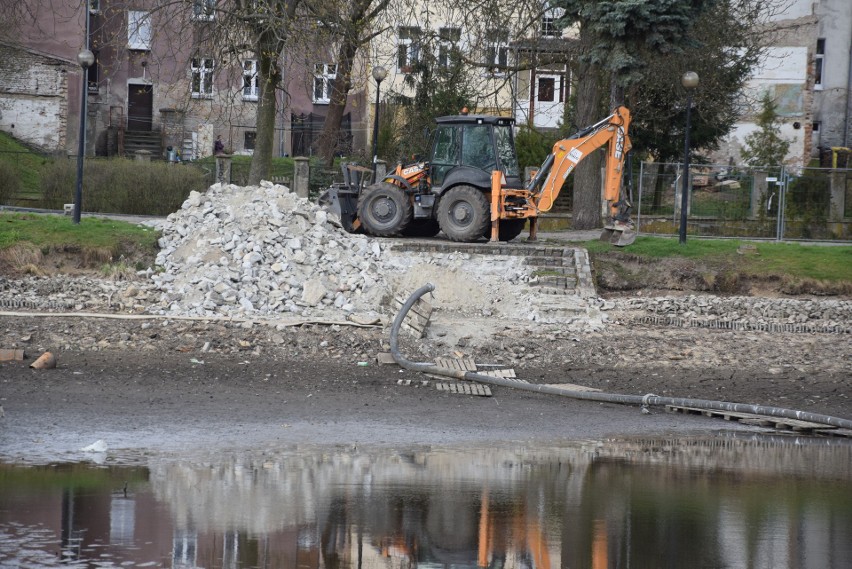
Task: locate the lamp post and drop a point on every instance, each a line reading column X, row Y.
column 85, row 58
column 379, row 74
column 689, row 82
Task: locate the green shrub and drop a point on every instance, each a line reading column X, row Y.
column 120, row 185
column 10, row 183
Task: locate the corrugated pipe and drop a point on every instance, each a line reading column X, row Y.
column 643, row 400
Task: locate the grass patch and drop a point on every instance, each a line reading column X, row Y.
column 791, row 260
column 26, row 165
column 26, row 238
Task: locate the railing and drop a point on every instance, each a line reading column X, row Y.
column 744, row 202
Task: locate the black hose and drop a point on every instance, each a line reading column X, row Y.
column 644, row 400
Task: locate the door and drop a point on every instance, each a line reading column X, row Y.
column 549, row 100
column 140, row 107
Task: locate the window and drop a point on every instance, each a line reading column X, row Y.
column 497, row 49
column 446, row 152
column 138, row 30
column 324, row 75
column 546, row 89
column 819, row 63
column 550, row 22
column 203, row 9
column 251, row 87
column 448, row 39
column 202, row 77
column 477, row 148
column 92, row 74
column 408, row 48
column 249, row 139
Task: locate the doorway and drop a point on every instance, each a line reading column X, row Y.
column 140, row 107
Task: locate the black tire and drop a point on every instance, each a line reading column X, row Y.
column 384, row 210
column 464, row 214
column 509, row 229
column 422, row 228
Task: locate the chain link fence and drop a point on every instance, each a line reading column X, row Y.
column 744, row 202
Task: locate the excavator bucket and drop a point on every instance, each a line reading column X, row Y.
column 618, row 234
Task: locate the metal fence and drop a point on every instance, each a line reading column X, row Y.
column 744, row 202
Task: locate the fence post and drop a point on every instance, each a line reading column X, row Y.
column 758, row 192
column 223, row 169
column 837, row 197
column 381, row 170
column 301, row 176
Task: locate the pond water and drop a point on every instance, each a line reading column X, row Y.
column 732, row 501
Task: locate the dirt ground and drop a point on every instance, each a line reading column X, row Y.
column 168, row 386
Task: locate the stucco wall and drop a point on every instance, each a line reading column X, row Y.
column 832, row 103
column 33, row 97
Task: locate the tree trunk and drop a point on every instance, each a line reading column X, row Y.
column 587, row 177
column 330, row 136
column 270, row 76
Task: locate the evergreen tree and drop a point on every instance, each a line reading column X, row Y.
column 766, row 147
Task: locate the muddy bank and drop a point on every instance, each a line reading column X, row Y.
column 184, row 387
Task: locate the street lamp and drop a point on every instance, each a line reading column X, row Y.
column 86, row 59
column 689, row 82
column 379, row 74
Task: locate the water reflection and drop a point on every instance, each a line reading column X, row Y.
column 771, row 502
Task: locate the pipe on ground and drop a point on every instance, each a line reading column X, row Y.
column 643, row 400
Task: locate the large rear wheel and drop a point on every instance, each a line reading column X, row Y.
column 464, row 214
column 384, row 209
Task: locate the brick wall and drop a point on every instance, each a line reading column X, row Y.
column 33, row 98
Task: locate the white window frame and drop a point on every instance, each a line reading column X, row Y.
column 819, row 65
column 251, row 80
column 204, row 74
column 448, row 40
column 408, row 39
column 139, row 30
column 548, row 27
column 203, row 10
column 324, row 76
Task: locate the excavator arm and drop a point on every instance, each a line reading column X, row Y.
column 567, row 153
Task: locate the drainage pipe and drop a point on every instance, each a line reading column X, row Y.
column 643, row 400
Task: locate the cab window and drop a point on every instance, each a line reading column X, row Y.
column 477, row 148
column 446, row 152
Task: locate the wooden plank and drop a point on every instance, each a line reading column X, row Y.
column 464, row 388
column 463, row 363
column 508, row 373
column 417, row 318
column 752, row 419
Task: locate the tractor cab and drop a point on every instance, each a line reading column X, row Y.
column 467, row 148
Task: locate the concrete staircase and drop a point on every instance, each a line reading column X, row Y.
column 136, row 140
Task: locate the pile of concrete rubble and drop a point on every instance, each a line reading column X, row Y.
column 261, row 251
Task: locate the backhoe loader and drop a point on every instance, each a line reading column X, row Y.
column 471, row 188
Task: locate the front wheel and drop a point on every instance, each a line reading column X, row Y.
column 384, row 210
column 464, row 214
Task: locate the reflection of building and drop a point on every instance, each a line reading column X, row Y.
column 761, row 502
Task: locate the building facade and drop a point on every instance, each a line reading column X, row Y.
column 159, row 81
